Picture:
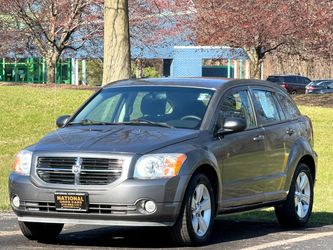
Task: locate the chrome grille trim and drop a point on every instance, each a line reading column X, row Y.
column 93, row 171
column 105, row 209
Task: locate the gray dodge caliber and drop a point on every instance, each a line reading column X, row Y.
column 168, row 152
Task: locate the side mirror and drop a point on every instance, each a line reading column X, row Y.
column 62, row 120
column 232, row 124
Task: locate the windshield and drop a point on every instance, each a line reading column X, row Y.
column 179, row 107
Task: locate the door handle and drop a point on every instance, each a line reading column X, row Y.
column 259, row 138
column 290, row 131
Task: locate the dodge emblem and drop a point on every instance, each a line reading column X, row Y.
column 76, row 169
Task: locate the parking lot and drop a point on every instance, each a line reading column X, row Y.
column 228, row 234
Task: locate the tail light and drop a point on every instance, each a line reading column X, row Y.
column 311, row 131
column 284, row 85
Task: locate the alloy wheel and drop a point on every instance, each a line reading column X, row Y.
column 302, row 195
column 201, row 210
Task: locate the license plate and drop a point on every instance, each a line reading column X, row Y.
column 71, row 201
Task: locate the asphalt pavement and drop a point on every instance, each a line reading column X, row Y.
column 228, row 234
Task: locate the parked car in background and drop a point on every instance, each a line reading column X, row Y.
column 168, row 152
column 320, row 87
column 294, row 84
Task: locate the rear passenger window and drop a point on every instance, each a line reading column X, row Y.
column 307, row 80
column 288, row 107
column 266, row 107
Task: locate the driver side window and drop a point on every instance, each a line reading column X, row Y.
column 237, row 104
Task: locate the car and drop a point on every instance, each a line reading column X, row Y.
column 319, row 87
column 168, row 152
column 294, row 84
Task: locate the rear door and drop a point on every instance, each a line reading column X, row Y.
column 278, row 140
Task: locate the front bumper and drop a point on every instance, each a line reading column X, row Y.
column 115, row 205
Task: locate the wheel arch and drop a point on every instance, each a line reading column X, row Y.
column 211, row 174
column 301, row 152
column 309, row 161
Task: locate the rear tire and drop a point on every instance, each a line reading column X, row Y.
column 40, row 231
column 296, row 210
column 195, row 222
column 293, row 92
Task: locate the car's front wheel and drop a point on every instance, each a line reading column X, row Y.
column 296, row 210
column 196, row 218
column 40, row 231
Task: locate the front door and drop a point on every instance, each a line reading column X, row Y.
column 241, row 154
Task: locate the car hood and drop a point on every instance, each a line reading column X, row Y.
column 113, row 139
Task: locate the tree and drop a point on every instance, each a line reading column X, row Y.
column 53, row 27
column 316, row 29
column 258, row 26
column 143, row 24
column 292, row 27
column 117, row 64
column 159, row 22
column 10, row 42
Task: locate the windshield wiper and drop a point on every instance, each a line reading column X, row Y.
column 90, row 122
column 147, row 122
column 132, row 122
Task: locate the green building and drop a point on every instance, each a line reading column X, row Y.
column 33, row 70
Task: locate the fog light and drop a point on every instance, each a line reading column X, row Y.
column 150, row 207
column 16, row 201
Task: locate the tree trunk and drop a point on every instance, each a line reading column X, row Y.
column 255, row 63
column 138, row 68
column 117, row 64
column 51, row 64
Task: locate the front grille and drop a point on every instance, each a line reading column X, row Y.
column 93, row 208
column 94, row 171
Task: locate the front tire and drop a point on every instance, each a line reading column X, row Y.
column 296, row 210
column 196, row 218
column 40, row 231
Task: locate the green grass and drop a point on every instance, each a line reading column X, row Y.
column 27, row 114
column 322, row 119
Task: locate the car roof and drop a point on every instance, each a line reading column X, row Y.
column 208, row 83
column 286, row 75
column 323, row 80
column 184, row 82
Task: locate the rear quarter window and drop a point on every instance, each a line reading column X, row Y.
column 288, row 107
column 307, row 80
column 275, row 79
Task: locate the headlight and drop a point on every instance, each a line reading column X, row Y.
column 156, row 166
column 22, row 164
